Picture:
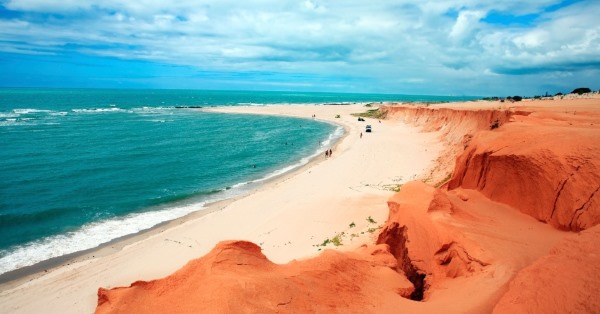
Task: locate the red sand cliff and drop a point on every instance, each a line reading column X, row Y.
column 235, row 277
column 502, row 236
column 547, row 167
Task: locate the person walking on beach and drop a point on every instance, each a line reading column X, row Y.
column 360, row 134
column 330, row 152
column 326, row 153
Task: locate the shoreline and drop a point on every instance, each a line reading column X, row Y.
column 21, row 275
column 289, row 217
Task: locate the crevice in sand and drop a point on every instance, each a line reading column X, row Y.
column 579, row 210
column 485, row 162
column 468, row 162
column 560, row 189
column 396, row 237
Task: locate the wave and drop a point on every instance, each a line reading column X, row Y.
column 151, row 110
column 137, row 110
column 9, row 115
column 11, row 122
column 96, row 110
column 30, row 117
column 59, row 113
column 333, row 137
column 28, row 111
column 16, row 113
column 89, row 236
column 34, row 116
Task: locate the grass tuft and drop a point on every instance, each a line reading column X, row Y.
column 446, row 179
column 372, row 113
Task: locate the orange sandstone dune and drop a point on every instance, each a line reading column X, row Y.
column 235, row 277
column 515, row 230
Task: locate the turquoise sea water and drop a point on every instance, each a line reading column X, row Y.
column 80, row 167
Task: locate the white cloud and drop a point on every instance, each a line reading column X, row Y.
column 562, row 41
column 381, row 40
column 313, row 6
column 466, row 23
column 532, row 40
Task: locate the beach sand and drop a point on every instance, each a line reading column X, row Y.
column 288, row 217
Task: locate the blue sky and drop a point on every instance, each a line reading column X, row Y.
column 436, row 47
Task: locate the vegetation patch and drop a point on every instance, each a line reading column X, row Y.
column 371, row 230
column 372, row 113
column 446, row 179
column 581, row 90
column 337, row 240
column 393, row 187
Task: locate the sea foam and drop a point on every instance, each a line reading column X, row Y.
column 89, row 236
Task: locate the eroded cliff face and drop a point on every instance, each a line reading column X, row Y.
column 547, row 169
column 456, row 128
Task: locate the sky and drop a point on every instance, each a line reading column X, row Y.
column 418, row 47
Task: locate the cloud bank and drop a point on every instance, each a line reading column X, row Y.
column 413, row 47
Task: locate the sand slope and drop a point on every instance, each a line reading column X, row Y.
column 564, row 281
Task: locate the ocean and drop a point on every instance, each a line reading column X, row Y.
column 82, row 167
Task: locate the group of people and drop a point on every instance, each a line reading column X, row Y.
column 328, row 153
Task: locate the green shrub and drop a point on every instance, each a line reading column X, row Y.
column 337, row 240
column 372, row 113
column 581, row 90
